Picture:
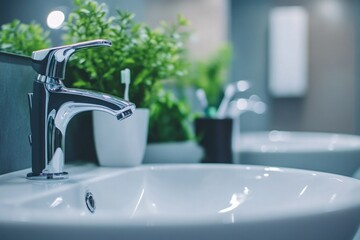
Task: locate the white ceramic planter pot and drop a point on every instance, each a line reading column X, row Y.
column 121, row 143
column 173, row 152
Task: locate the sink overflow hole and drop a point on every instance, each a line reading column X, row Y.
column 90, row 202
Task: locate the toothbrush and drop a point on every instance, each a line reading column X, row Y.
column 229, row 93
column 125, row 79
column 230, row 90
column 201, row 96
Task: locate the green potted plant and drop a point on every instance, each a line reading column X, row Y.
column 21, row 38
column 152, row 55
column 210, row 75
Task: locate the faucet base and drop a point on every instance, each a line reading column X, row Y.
column 47, row 176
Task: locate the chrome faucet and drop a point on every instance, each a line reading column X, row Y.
column 52, row 106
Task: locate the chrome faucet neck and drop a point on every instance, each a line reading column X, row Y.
column 52, row 62
column 52, row 106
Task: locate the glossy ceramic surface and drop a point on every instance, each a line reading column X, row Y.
column 181, row 202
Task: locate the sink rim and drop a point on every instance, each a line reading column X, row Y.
column 82, row 179
column 271, row 142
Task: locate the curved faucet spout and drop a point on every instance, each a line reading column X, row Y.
column 53, row 108
column 70, row 102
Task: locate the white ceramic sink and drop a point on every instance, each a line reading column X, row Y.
column 181, row 202
column 328, row 152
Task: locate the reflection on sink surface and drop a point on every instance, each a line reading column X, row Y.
column 181, row 202
column 334, row 153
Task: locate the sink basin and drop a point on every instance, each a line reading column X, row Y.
column 328, row 152
column 191, row 201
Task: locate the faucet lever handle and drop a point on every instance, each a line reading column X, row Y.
column 51, row 62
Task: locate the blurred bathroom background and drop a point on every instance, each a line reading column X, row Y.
column 329, row 101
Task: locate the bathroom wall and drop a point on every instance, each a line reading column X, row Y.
column 16, row 79
column 248, row 34
column 208, row 22
column 330, row 102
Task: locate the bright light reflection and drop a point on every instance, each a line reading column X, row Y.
column 273, row 169
column 332, row 199
column 259, row 107
column 337, row 179
column 303, row 191
column 242, row 104
column 236, row 200
column 138, row 203
column 55, row 19
column 56, row 202
column 232, row 218
column 276, row 136
column 331, row 10
column 242, row 85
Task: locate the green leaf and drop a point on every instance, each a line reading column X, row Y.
column 21, row 38
column 81, row 84
column 152, row 55
column 182, row 20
